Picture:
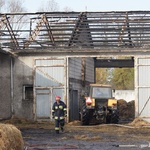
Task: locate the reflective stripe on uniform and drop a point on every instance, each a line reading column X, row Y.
column 65, row 109
column 56, row 107
column 56, row 128
column 56, row 117
column 60, row 107
column 53, row 110
column 61, row 118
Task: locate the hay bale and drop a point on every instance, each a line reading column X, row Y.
column 10, row 138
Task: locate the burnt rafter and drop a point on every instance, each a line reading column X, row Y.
column 13, row 38
column 113, row 30
column 122, row 32
column 34, row 33
column 49, row 30
column 43, row 20
column 125, row 27
column 81, row 35
column 2, row 22
column 128, row 29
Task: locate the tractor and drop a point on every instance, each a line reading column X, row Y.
column 99, row 107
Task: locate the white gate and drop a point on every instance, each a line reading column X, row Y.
column 49, row 81
column 142, row 87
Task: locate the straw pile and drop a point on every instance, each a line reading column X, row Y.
column 75, row 123
column 139, row 122
column 87, row 137
column 10, row 138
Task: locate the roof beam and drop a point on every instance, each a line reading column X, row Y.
column 125, row 27
column 49, row 30
column 114, row 63
column 11, row 33
column 34, row 33
column 77, row 37
column 43, row 20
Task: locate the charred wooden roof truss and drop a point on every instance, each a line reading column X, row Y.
column 65, row 30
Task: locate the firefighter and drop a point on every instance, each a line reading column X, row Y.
column 59, row 112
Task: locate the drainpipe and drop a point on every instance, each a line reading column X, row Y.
column 12, row 86
column 67, row 88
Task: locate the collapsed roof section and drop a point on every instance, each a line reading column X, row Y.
column 94, row 30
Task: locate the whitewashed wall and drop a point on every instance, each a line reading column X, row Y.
column 127, row 95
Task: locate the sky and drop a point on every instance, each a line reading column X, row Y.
column 92, row 5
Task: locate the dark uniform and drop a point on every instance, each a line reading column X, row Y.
column 59, row 113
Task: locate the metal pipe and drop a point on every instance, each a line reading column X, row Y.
column 67, row 87
column 12, row 85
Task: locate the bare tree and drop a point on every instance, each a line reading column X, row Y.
column 67, row 9
column 12, row 23
column 49, row 6
column 15, row 6
column 12, row 6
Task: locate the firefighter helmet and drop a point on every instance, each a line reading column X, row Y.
column 57, row 97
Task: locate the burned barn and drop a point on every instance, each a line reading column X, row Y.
column 55, row 53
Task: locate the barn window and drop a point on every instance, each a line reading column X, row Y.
column 28, row 92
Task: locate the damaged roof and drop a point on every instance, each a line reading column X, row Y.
column 65, row 30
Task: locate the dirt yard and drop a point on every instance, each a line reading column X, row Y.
column 41, row 136
column 123, row 136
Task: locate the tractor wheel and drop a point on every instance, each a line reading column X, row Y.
column 108, row 118
column 84, row 114
column 115, row 117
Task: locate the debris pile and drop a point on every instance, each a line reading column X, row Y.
column 126, row 109
column 10, row 137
